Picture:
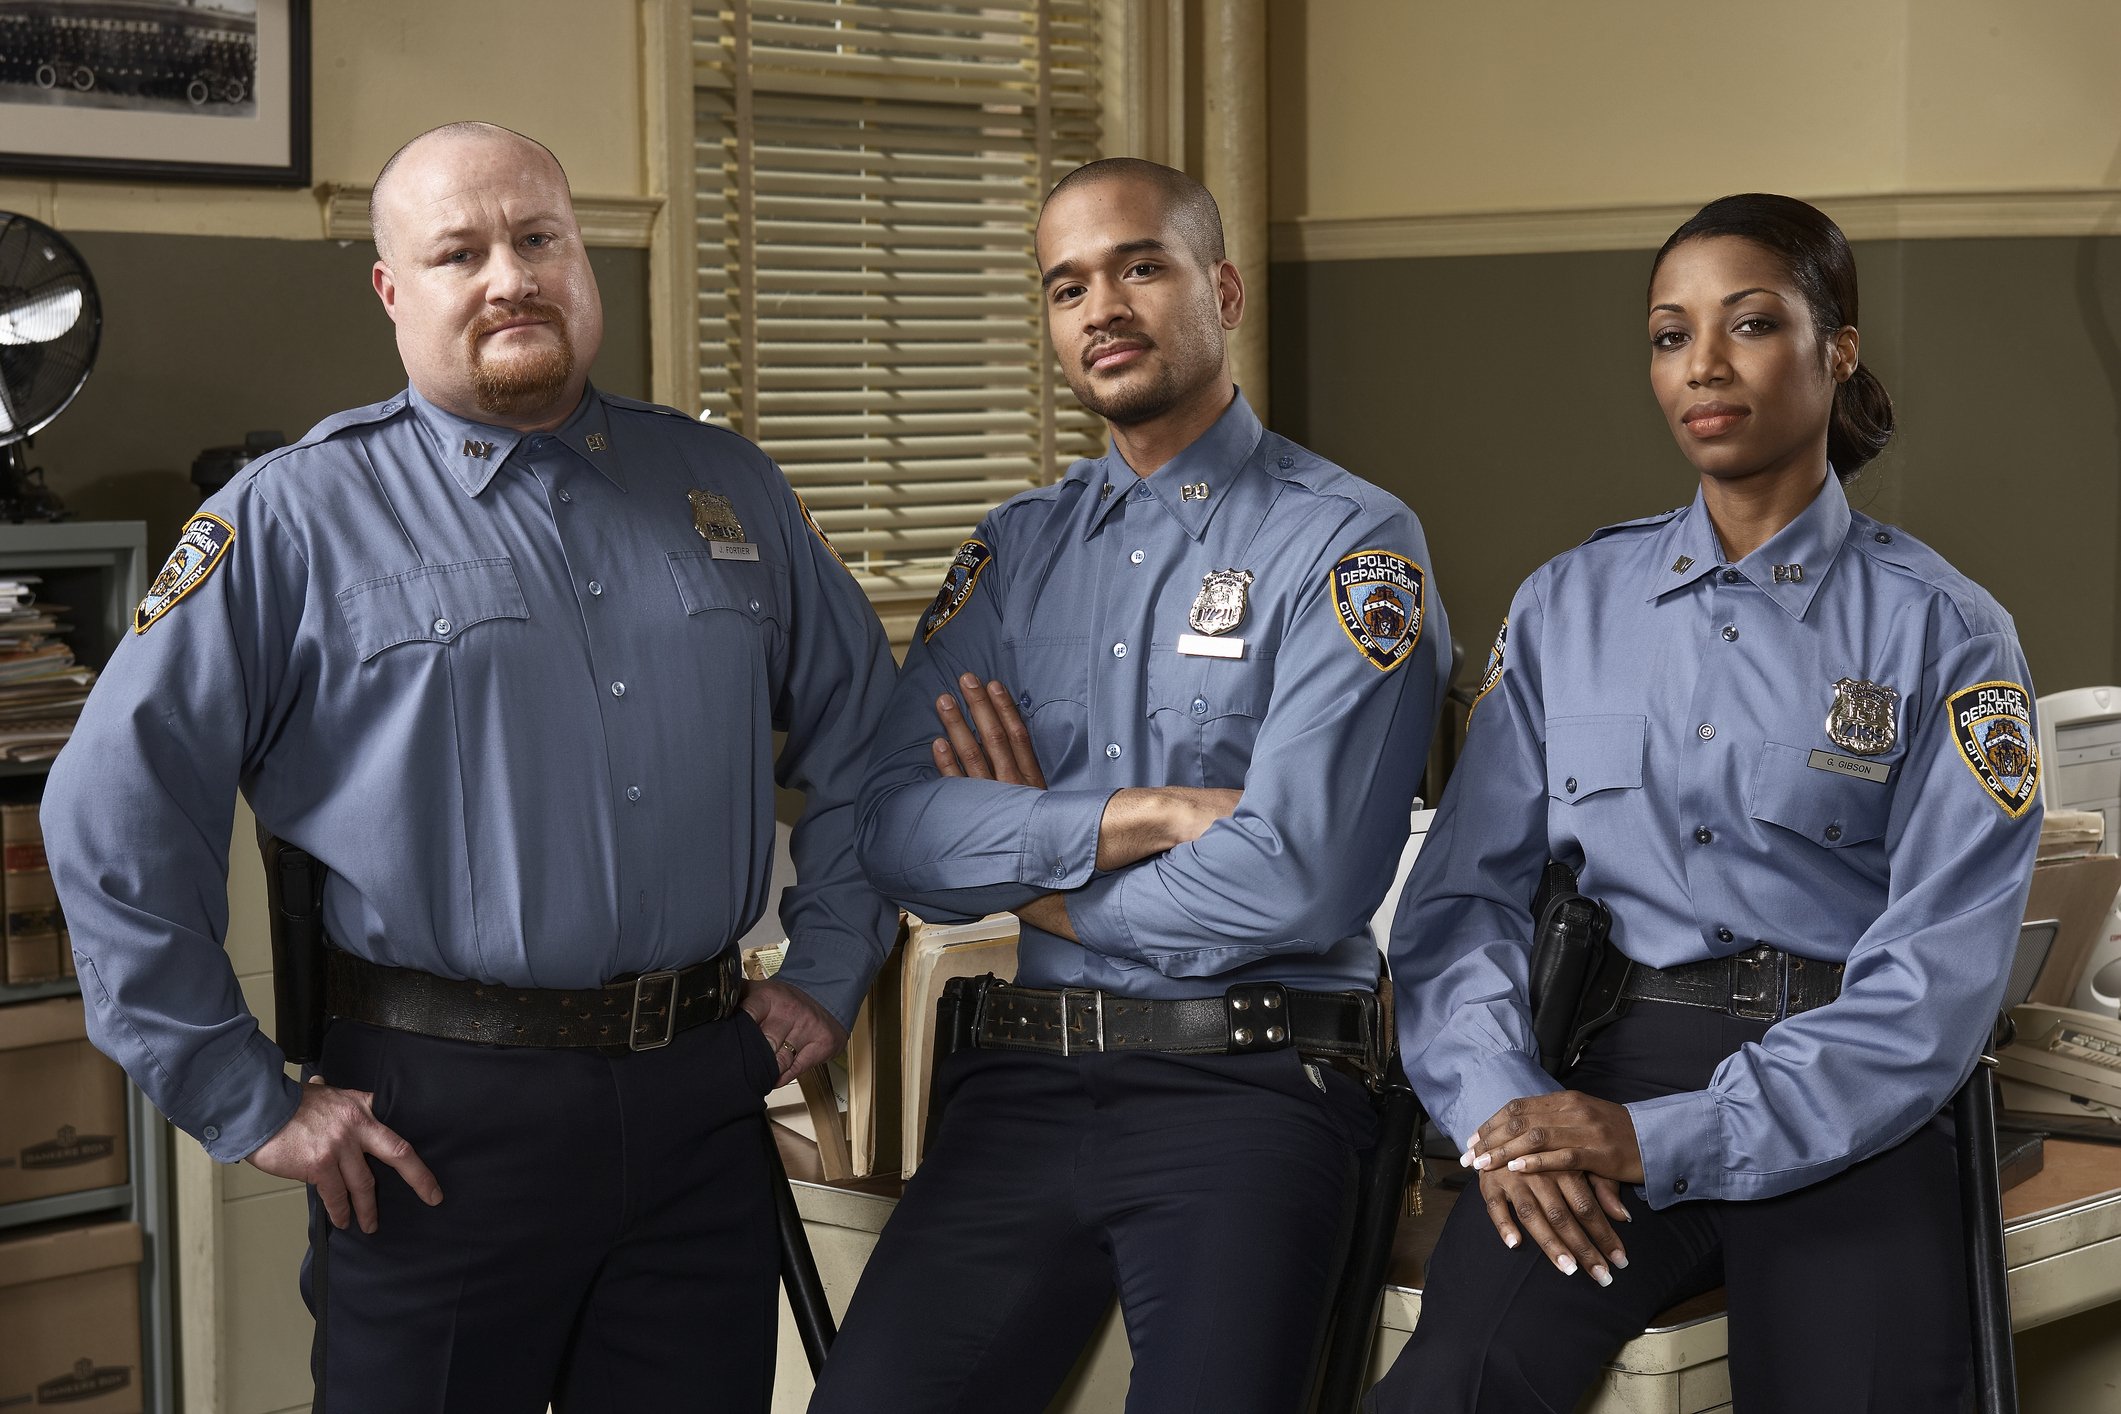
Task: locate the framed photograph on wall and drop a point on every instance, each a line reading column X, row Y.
column 156, row 90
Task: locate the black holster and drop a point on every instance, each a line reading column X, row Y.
column 294, row 898
column 1576, row 977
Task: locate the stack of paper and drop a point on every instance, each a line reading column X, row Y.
column 42, row 688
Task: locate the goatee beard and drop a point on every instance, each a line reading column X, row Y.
column 529, row 382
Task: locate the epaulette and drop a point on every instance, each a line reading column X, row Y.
column 1646, row 521
column 1891, row 546
column 331, row 427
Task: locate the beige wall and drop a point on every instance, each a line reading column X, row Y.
column 568, row 72
column 1425, row 107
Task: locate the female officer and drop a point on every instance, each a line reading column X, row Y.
column 1792, row 750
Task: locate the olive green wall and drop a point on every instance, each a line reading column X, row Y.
column 1506, row 399
column 208, row 337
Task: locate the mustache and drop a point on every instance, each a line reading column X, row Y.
column 532, row 308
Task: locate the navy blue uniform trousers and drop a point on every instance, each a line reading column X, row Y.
column 1846, row 1295
column 1213, row 1194
column 605, row 1240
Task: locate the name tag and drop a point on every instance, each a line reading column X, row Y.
column 1200, row 645
column 732, row 550
column 1849, row 766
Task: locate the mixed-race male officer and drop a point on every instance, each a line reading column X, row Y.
column 1202, row 670
column 506, row 653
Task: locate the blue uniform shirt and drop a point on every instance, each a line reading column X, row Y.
column 507, row 692
column 1082, row 597
column 1660, row 720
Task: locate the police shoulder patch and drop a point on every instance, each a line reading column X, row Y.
column 964, row 572
column 1493, row 675
column 205, row 541
column 1992, row 726
column 817, row 530
column 1378, row 598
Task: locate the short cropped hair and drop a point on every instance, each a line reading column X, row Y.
column 463, row 129
column 1190, row 205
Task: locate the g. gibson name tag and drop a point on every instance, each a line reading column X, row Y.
column 732, row 550
column 1199, row 645
column 1849, row 766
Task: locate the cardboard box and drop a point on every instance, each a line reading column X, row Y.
column 70, row 1305
column 62, row 1105
column 2078, row 893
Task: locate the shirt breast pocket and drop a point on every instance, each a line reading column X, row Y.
column 1831, row 810
column 1206, row 714
column 1051, row 679
column 434, row 604
column 1589, row 756
column 750, row 589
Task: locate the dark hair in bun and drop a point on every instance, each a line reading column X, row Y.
column 1817, row 257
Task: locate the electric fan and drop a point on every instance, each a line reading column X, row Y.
column 50, row 324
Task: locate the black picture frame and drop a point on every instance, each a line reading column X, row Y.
column 167, row 95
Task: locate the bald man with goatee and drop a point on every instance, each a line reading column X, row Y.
column 507, row 655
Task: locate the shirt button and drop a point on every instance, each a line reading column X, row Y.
column 618, row 689
column 210, row 1133
column 441, row 628
column 595, row 587
column 1732, row 576
column 1882, row 538
column 540, row 443
column 1730, row 634
column 1119, row 650
column 1706, row 731
column 1833, row 832
column 1679, row 1185
column 1137, row 557
column 754, row 606
column 1725, row 935
column 633, row 792
column 1287, row 461
column 1569, row 785
column 1112, row 751
column 1200, row 706
column 1704, row 835
column 566, row 496
column 1023, row 700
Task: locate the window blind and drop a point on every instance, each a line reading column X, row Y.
column 868, row 177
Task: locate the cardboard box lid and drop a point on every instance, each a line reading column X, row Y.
column 42, row 1023
column 68, row 1251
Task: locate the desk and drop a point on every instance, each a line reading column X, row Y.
column 2062, row 1237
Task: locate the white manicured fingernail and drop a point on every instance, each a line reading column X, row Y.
column 1567, row 1264
column 1620, row 1260
column 1465, row 1160
column 1509, row 1240
column 1484, row 1162
column 1601, row 1276
column 1517, row 1166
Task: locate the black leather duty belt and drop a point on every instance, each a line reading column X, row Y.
column 632, row 1014
column 1249, row 1017
column 1760, row 984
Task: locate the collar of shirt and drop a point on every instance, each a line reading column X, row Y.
column 474, row 451
column 1214, row 460
column 1802, row 551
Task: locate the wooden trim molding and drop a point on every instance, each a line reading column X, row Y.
column 1898, row 216
column 613, row 221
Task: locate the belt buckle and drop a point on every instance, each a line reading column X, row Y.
column 1097, row 1002
column 641, row 984
column 1257, row 1015
column 1758, row 979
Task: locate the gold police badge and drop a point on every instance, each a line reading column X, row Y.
column 714, row 516
column 1220, row 605
column 1861, row 719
